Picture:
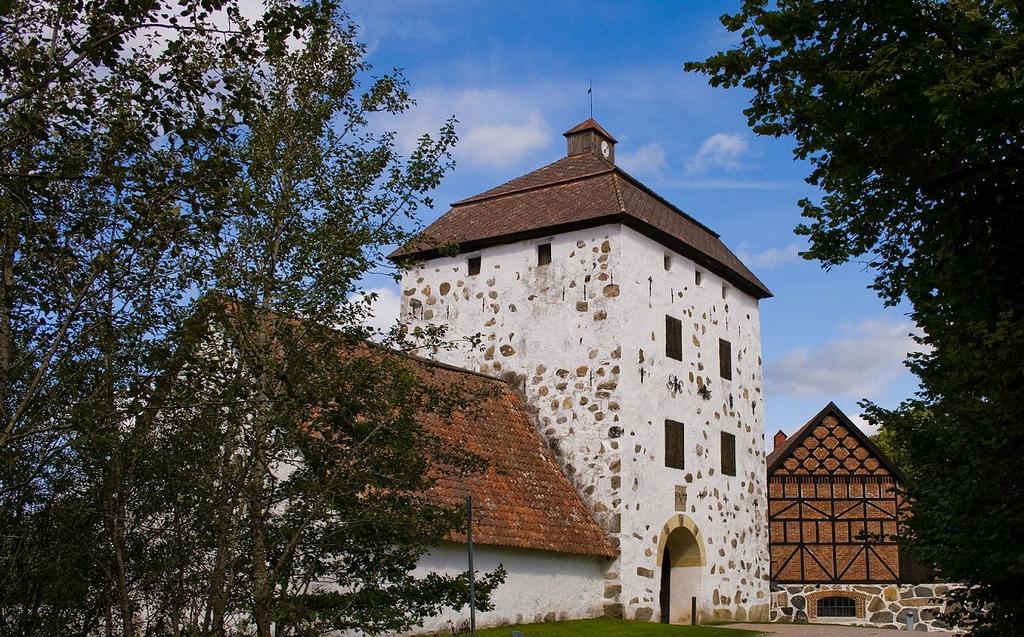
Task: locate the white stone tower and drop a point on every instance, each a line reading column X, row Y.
column 634, row 333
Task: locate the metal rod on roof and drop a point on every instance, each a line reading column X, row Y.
column 469, row 544
column 590, row 92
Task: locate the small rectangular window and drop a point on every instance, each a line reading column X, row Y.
column 728, row 454
column 474, row 265
column 673, row 338
column 544, row 254
column 837, row 606
column 668, row 262
column 697, row 276
column 725, row 291
column 725, row 359
column 674, row 454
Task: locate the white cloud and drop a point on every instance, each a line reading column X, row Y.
column 721, row 150
column 646, row 160
column 384, row 310
column 772, row 257
column 495, row 127
column 498, row 144
column 862, row 423
column 860, row 364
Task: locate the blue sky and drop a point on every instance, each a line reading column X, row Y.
column 515, row 74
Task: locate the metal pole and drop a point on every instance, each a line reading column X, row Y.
column 469, row 544
column 693, row 610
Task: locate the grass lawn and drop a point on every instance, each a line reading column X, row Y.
column 612, row 628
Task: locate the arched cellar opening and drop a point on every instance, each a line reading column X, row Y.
column 681, row 558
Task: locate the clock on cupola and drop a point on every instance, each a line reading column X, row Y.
column 590, row 137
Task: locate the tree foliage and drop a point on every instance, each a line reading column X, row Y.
column 911, row 114
column 189, row 198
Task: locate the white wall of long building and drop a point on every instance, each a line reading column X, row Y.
column 540, row 586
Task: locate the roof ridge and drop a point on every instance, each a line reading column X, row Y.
column 448, row 366
column 486, row 197
column 549, row 184
column 548, row 453
column 618, row 192
column 639, row 184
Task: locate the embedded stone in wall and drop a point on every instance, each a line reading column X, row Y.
column 877, row 606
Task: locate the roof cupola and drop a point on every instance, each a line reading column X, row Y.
column 589, row 136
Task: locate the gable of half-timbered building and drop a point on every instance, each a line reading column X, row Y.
column 833, row 506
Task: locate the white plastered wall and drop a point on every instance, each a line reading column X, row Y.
column 570, row 333
column 540, row 586
column 728, row 511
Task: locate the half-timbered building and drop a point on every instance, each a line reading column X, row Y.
column 833, row 506
column 834, row 509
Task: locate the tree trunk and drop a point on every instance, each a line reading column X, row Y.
column 260, row 577
column 115, row 531
column 8, row 247
column 113, row 502
column 217, row 598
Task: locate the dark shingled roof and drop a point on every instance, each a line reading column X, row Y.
column 590, row 124
column 523, row 499
column 577, row 191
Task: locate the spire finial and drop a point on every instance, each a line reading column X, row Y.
column 590, row 92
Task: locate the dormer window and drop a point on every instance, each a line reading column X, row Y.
column 544, row 254
column 473, row 266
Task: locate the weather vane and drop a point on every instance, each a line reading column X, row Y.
column 590, row 92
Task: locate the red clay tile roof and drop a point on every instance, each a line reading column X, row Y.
column 577, row 191
column 790, row 449
column 523, row 499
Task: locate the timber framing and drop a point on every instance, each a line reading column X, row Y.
column 834, row 506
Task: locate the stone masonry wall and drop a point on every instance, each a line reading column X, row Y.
column 584, row 336
column 555, row 329
column 729, row 512
column 882, row 606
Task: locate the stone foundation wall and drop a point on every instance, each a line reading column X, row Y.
column 882, row 606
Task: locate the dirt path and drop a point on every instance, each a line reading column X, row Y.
column 822, row 630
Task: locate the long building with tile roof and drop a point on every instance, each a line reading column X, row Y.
column 521, row 499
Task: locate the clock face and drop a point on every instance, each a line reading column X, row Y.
column 605, row 149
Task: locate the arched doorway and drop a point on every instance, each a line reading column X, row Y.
column 681, row 557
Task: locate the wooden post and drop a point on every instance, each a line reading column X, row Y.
column 469, row 544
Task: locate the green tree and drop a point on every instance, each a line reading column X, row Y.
column 911, row 114
column 156, row 157
column 112, row 139
column 321, row 518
